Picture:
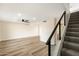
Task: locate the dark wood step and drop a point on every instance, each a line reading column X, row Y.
column 69, row 52
column 74, row 22
column 74, row 19
column 73, row 29
column 71, row 45
column 74, row 34
column 71, row 39
column 73, row 26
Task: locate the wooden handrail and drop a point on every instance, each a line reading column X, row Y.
column 48, row 41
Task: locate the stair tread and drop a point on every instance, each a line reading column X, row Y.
column 72, row 37
column 68, row 32
column 73, row 28
column 76, row 19
column 71, row 43
column 70, row 52
column 72, row 32
column 73, row 22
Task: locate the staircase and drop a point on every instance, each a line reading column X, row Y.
column 71, row 40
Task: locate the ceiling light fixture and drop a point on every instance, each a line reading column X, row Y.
column 33, row 18
column 19, row 14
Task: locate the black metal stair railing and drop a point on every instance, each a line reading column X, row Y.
column 59, row 23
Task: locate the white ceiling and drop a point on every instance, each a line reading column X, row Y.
column 31, row 11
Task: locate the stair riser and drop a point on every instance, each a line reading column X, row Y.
column 76, row 17
column 73, row 30
column 64, row 53
column 73, row 34
column 72, row 40
column 73, row 26
column 74, row 22
column 74, row 14
column 71, row 46
column 69, row 53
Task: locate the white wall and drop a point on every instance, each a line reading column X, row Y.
column 67, row 8
column 0, row 31
column 47, row 28
column 16, row 30
column 74, row 7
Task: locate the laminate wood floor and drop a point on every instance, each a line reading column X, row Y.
column 23, row 47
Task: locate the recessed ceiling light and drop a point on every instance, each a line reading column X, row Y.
column 33, row 18
column 19, row 14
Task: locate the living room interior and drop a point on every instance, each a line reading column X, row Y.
column 26, row 29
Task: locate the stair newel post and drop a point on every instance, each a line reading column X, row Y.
column 60, row 30
column 49, row 48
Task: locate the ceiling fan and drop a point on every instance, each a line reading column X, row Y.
column 27, row 21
